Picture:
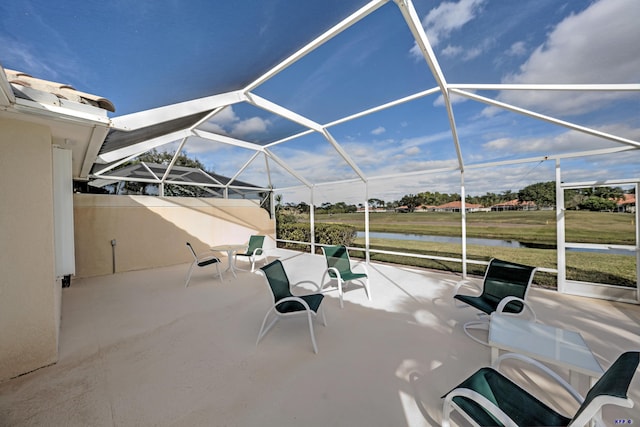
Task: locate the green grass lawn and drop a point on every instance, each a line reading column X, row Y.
column 524, row 226
column 537, row 227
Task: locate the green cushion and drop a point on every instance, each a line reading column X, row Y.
column 338, row 257
column 279, row 283
column 519, row 405
column 292, row 306
column 207, row 262
column 488, row 304
column 502, row 279
column 255, row 242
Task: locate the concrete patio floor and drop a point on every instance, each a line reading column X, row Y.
column 138, row 349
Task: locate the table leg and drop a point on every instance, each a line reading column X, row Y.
column 495, row 351
column 230, row 260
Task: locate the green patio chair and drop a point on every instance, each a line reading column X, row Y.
column 339, row 269
column 488, row 398
column 254, row 251
column 285, row 304
column 504, row 290
column 202, row 260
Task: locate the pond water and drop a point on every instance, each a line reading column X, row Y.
column 481, row 241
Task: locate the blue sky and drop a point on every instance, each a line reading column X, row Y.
column 143, row 54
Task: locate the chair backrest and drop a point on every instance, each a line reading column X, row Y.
column 337, row 257
column 611, row 388
column 278, row 280
column 255, row 242
column 504, row 278
column 192, row 251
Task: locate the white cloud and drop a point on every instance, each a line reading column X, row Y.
column 227, row 122
column 455, row 99
column 441, row 21
column 412, row 151
column 452, row 51
column 226, row 116
column 251, row 126
column 517, row 49
column 563, row 142
column 378, row 131
column 448, row 17
column 598, row 45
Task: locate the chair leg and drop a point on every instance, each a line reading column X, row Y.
column 476, row 324
column 367, row 288
column 313, row 338
column 219, row 272
column 189, row 274
column 446, row 413
column 340, row 292
column 263, row 330
column 324, row 318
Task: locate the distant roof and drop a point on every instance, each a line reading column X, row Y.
column 21, row 84
column 458, row 205
column 627, row 199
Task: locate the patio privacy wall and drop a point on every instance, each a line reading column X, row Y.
column 30, row 295
column 152, row 231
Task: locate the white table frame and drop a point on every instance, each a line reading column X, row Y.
column 230, row 250
column 560, row 347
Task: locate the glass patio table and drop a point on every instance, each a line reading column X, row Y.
column 545, row 343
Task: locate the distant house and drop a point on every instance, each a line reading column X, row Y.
column 457, row 207
column 514, row 205
column 425, row 208
column 627, row 203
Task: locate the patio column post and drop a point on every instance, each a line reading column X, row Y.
column 463, row 211
column 312, row 221
column 366, row 222
column 560, row 236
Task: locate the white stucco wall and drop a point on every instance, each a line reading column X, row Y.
column 152, row 231
column 29, row 294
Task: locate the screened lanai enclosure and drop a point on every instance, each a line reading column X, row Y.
column 354, row 100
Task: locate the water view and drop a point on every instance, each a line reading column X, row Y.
column 481, row 241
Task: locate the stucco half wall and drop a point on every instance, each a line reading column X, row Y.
column 152, row 231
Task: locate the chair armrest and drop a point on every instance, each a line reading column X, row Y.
column 257, row 251
column 463, row 282
column 480, row 400
column 544, row 368
column 335, row 271
column 507, row 300
column 364, row 267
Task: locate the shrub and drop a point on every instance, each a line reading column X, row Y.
column 326, row 234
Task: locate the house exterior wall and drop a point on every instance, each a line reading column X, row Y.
column 30, row 295
column 152, row 231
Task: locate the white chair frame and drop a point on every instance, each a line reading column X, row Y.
column 341, row 283
column 202, row 259
column 310, row 314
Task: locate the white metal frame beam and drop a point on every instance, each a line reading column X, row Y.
column 142, row 147
column 546, row 118
column 174, row 111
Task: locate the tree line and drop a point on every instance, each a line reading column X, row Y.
column 542, row 194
